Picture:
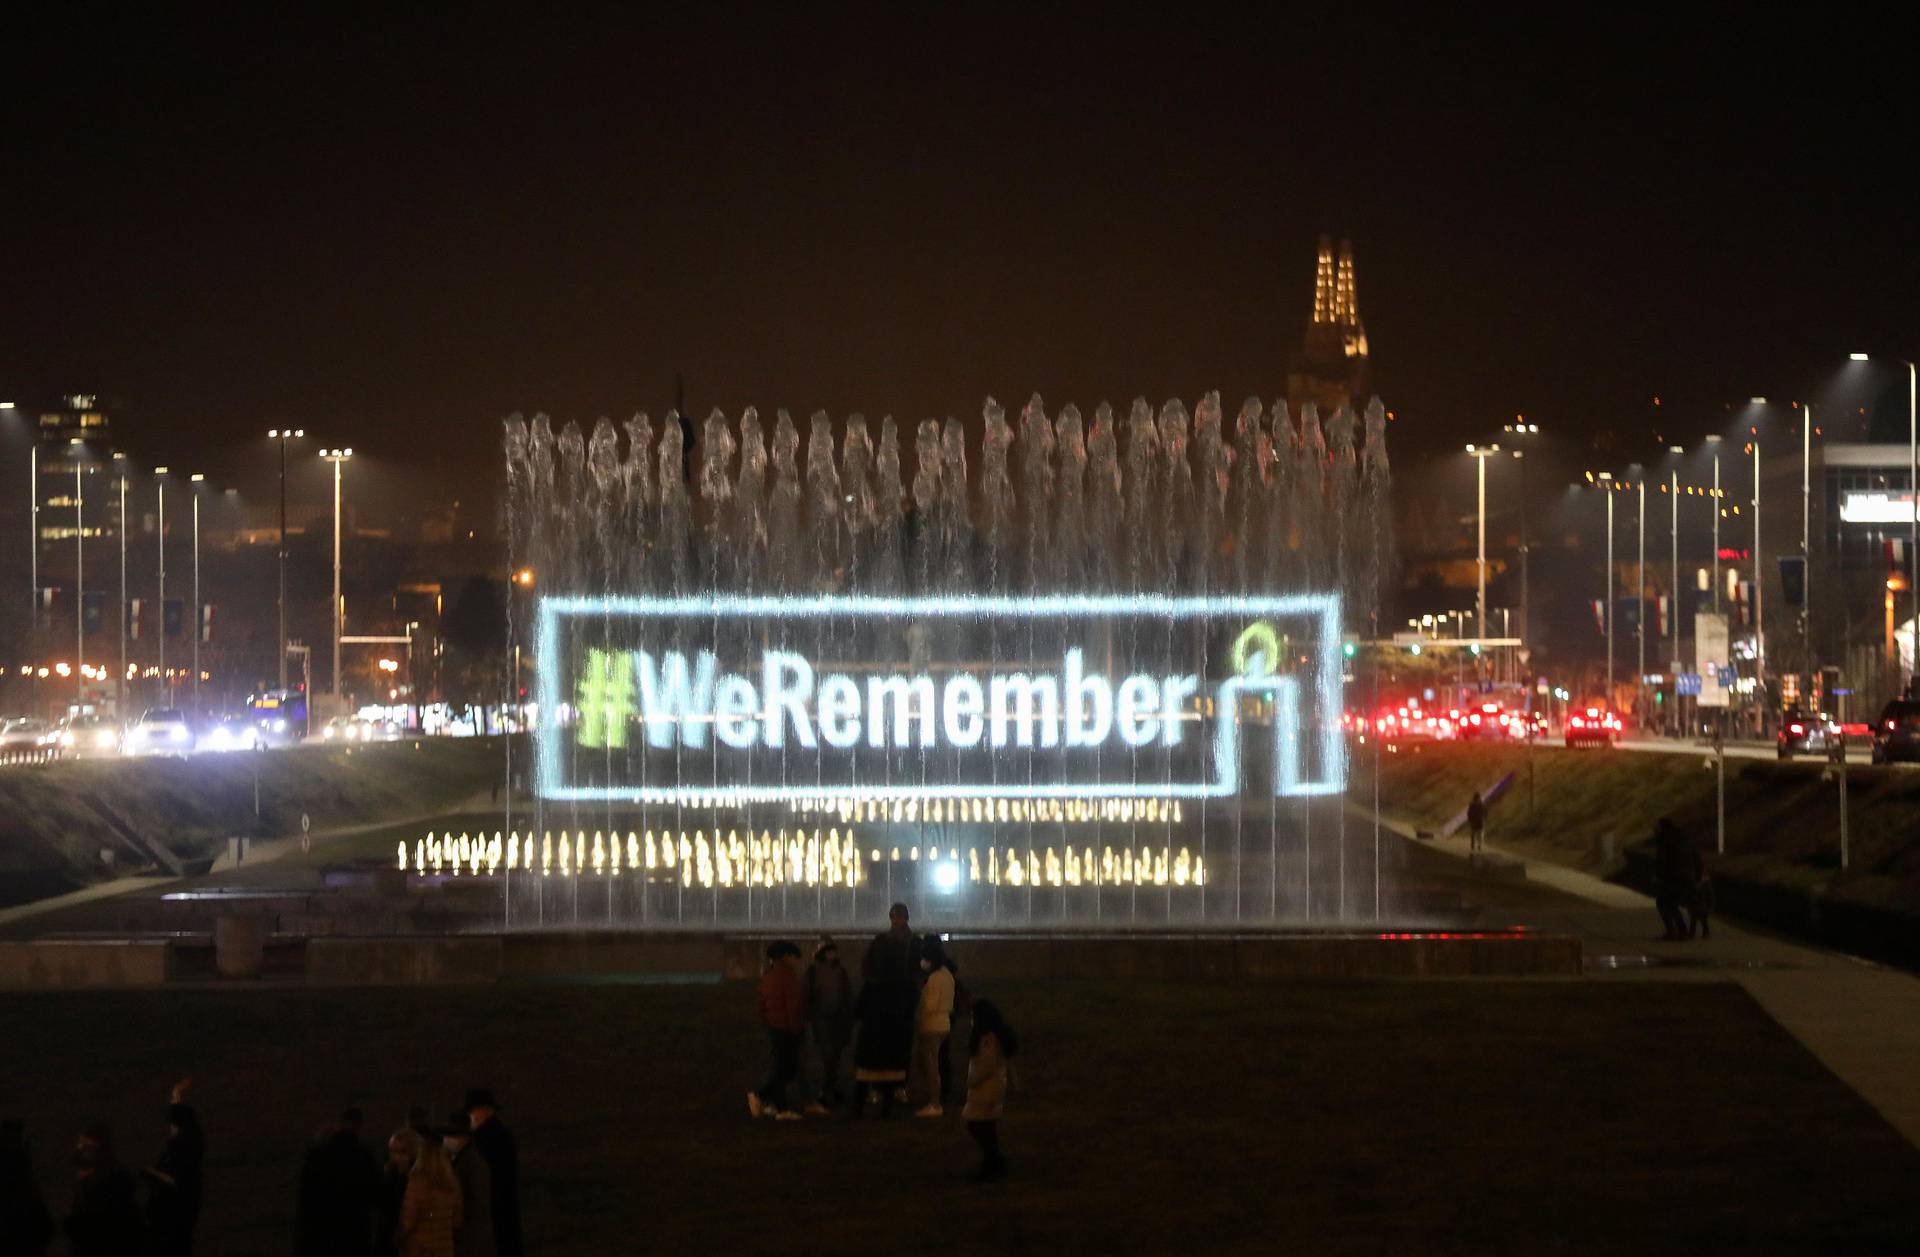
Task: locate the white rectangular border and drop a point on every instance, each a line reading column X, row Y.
column 1327, row 684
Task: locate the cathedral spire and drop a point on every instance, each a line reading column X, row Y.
column 1325, row 296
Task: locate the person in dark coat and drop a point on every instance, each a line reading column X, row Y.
column 1476, row 822
column 474, row 1236
column 173, row 1181
column 25, row 1224
column 497, row 1145
column 339, row 1185
column 829, row 996
column 1676, row 871
column 105, row 1219
column 888, row 999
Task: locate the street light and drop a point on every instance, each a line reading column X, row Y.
column 160, row 533
column 1481, row 453
column 1673, row 596
column 1606, row 484
column 196, row 478
column 283, row 435
column 1713, row 443
column 120, row 681
column 337, row 458
column 79, row 568
column 1521, row 430
column 1913, row 499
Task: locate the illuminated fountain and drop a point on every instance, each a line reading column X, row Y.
column 1099, row 684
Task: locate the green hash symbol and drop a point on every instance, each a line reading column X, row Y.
column 606, row 698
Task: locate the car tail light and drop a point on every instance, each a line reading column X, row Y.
column 1578, row 723
column 1795, row 729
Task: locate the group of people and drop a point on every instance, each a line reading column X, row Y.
column 451, row 1190
column 1682, row 890
column 447, row 1191
column 108, row 1216
column 900, row 1025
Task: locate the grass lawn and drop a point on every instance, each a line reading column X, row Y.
column 1308, row 1117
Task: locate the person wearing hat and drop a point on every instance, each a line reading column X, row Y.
column 474, row 1236
column 173, row 1181
column 497, row 1145
column 829, row 995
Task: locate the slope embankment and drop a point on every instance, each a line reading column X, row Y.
column 1595, row 810
column 66, row 825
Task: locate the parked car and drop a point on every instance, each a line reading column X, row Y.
column 160, row 731
column 1896, row 734
column 1593, row 726
column 89, row 737
column 1803, row 732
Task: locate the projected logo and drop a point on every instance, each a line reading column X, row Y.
column 748, row 699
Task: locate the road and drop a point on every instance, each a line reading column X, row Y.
column 1857, row 753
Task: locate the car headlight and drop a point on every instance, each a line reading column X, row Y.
column 105, row 739
column 279, row 725
column 66, row 739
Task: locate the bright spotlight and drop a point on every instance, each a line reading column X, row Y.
column 947, row 877
column 1858, row 357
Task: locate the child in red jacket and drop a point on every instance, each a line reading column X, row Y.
column 783, row 1010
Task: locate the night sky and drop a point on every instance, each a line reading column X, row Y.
column 396, row 231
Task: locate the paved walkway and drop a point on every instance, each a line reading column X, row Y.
column 1862, row 1020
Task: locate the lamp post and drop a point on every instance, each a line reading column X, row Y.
column 79, row 570
column 1522, row 430
column 1806, row 543
column 160, row 534
column 283, row 435
column 1713, row 443
column 197, row 479
column 33, row 542
column 1481, row 453
column 1640, row 628
column 1759, row 589
column 1913, row 499
column 1606, row 485
column 120, row 680
column 1673, row 611
column 338, row 458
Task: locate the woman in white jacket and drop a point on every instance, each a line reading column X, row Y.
column 932, row 1023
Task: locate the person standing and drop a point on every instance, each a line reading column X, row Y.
column 173, row 1181
column 496, row 1144
column 430, row 1210
column 783, row 1012
column 105, row 1219
column 933, row 1021
column 339, row 1185
column 474, row 1236
column 990, row 1052
column 1675, row 865
column 1476, row 822
column 24, row 1220
column 403, row 1149
column 885, row 1009
column 829, row 997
